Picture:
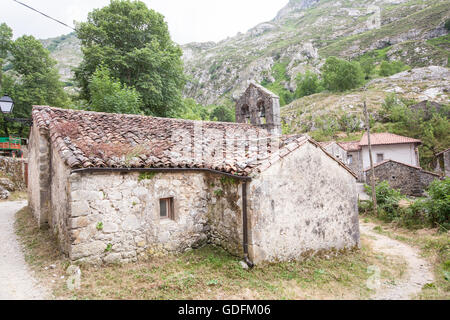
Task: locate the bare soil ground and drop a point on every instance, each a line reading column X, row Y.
column 16, row 278
column 418, row 272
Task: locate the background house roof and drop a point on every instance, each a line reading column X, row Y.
column 349, row 146
column 386, row 139
column 103, row 140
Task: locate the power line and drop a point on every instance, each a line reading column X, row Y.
column 45, row 15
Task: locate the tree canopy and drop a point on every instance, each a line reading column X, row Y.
column 134, row 43
column 109, row 95
column 341, row 75
column 33, row 80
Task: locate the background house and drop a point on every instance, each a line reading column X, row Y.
column 385, row 146
column 396, row 160
column 410, row 180
column 388, row 146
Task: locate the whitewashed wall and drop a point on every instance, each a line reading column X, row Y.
column 404, row 153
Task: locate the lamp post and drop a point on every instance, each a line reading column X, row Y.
column 6, row 106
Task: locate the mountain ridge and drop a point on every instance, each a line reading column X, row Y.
column 300, row 36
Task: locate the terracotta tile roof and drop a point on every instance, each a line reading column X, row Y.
column 386, row 138
column 102, row 140
column 350, row 146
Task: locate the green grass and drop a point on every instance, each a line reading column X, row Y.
column 206, row 273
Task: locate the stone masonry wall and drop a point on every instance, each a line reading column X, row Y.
column 225, row 213
column 59, row 205
column 115, row 217
column 356, row 164
column 303, row 204
column 14, row 170
column 409, row 180
column 39, row 175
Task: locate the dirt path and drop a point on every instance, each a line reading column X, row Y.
column 16, row 280
column 418, row 272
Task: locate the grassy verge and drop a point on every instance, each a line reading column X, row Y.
column 207, row 273
column 16, row 196
column 434, row 247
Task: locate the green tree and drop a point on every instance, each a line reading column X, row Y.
column 109, row 95
column 341, row 75
column 222, row 114
column 307, row 84
column 134, row 43
column 368, row 66
column 192, row 111
column 5, row 45
column 35, row 80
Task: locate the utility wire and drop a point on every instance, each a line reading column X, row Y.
column 47, row 16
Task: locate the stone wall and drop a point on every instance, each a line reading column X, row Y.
column 39, row 176
column 442, row 164
column 225, row 213
column 409, row 180
column 59, row 205
column 356, row 164
column 14, row 170
column 303, row 204
column 115, row 217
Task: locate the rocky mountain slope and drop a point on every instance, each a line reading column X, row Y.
column 419, row 84
column 66, row 50
column 300, row 37
column 307, row 31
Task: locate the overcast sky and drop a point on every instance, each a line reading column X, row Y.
column 189, row 20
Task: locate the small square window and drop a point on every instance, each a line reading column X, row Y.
column 380, row 157
column 350, row 159
column 166, row 210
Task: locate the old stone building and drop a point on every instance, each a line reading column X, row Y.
column 116, row 187
column 260, row 107
column 442, row 163
column 410, row 180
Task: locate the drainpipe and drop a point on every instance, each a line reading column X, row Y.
column 245, row 224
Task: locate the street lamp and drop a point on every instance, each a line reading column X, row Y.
column 6, row 104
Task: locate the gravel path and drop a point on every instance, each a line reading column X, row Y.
column 16, row 280
column 418, row 271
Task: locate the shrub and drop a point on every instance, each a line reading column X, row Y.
column 387, row 201
column 438, row 203
column 447, row 24
column 431, row 212
column 390, row 68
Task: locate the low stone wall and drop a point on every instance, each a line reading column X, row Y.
column 14, row 170
column 409, row 180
